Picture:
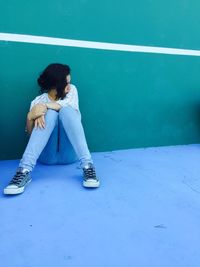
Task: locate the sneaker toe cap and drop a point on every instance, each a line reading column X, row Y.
column 11, row 186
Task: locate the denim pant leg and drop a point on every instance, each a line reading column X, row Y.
column 71, row 121
column 58, row 150
column 38, row 140
column 66, row 153
column 49, row 154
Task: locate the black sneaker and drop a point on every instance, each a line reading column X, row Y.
column 89, row 176
column 18, row 183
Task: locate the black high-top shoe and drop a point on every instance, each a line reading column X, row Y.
column 18, row 183
column 89, row 176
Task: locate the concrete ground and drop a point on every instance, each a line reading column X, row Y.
column 145, row 214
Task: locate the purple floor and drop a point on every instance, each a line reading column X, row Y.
column 145, row 214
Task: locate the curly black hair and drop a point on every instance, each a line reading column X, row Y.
column 54, row 77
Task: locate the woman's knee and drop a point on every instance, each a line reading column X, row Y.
column 51, row 116
column 68, row 112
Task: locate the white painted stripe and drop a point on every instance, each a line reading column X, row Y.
column 95, row 45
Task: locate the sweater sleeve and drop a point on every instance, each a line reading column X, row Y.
column 71, row 99
column 37, row 100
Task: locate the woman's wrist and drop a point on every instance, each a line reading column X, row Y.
column 53, row 105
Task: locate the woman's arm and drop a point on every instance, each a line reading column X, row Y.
column 29, row 125
column 37, row 111
column 53, row 105
column 34, row 120
column 35, row 117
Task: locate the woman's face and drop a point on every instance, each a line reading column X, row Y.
column 68, row 79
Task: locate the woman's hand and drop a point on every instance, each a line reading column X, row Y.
column 37, row 111
column 67, row 88
column 40, row 122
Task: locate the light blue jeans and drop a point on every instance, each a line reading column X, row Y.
column 62, row 141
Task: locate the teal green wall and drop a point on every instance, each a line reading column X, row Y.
column 127, row 99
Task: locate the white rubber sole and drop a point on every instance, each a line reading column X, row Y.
column 15, row 191
column 91, row 184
